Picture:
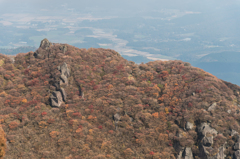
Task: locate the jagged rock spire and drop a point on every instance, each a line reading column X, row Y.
column 45, row 44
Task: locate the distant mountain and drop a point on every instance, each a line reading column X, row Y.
column 225, row 56
column 64, row 102
column 15, row 51
column 224, row 65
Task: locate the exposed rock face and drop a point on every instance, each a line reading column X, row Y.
column 64, row 95
column 65, row 73
column 204, row 128
column 60, row 95
column 45, row 44
column 207, row 140
column 63, row 79
column 116, row 118
column 63, row 48
column 179, row 149
column 233, row 132
column 189, row 126
column 205, row 150
column 187, row 154
column 237, row 154
column 64, row 70
column 220, row 154
column 56, row 99
column 213, row 106
column 209, row 153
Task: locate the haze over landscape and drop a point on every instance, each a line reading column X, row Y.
column 119, row 79
column 140, row 31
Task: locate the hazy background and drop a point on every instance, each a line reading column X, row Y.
column 205, row 33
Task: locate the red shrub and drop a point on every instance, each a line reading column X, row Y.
column 44, row 113
column 190, row 105
column 90, row 106
column 198, row 91
column 50, row 121
column 100, row 127
column 13, row 125
column 76, row 114
column 95, row 87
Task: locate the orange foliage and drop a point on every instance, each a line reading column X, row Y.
column 155, row 115
column 54, row 134
column 13, row 125
column 42, row 124
column 24, row 100
column 110, row 86
column 90, row 117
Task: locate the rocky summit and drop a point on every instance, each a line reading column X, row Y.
column 68, row 103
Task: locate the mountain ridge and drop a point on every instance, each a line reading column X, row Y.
column 64, row 102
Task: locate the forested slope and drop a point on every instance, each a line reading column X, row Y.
column 64, row 102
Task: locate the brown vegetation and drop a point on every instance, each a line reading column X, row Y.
column 155, row 101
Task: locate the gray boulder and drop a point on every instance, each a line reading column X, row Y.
column 189, row 126
column 187, row 154
column 56, row 99
column 204, row 128
column 236, row 146
column 64, row 70
column 233, row 132
column 209, row 152
column 117, row 117
column 213, row 106
column 64, row 94
column 178, row 148
column 220, row 154
column 237, row 154
column 203, row 152
column 207, row 141
column 63, row 79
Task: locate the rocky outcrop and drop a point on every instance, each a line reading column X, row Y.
column 59, row 96
column 207, row 140
column 56, row 99
column 204, row 128
column 40, row 53
column 45, row 44
column 189, row 125
column 233, row 132
column 187, row 154
column 206, row 151
column 116, row 118
column 211, row 153
column 64, row 95
column 236, row 147
column 237, row 154
column 63, row 48
column 183, row 153
column 213, row 106
column 65, row 73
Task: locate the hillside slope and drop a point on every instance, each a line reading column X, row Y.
column 69, row 103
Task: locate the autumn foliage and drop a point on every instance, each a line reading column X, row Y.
column 154, row 101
